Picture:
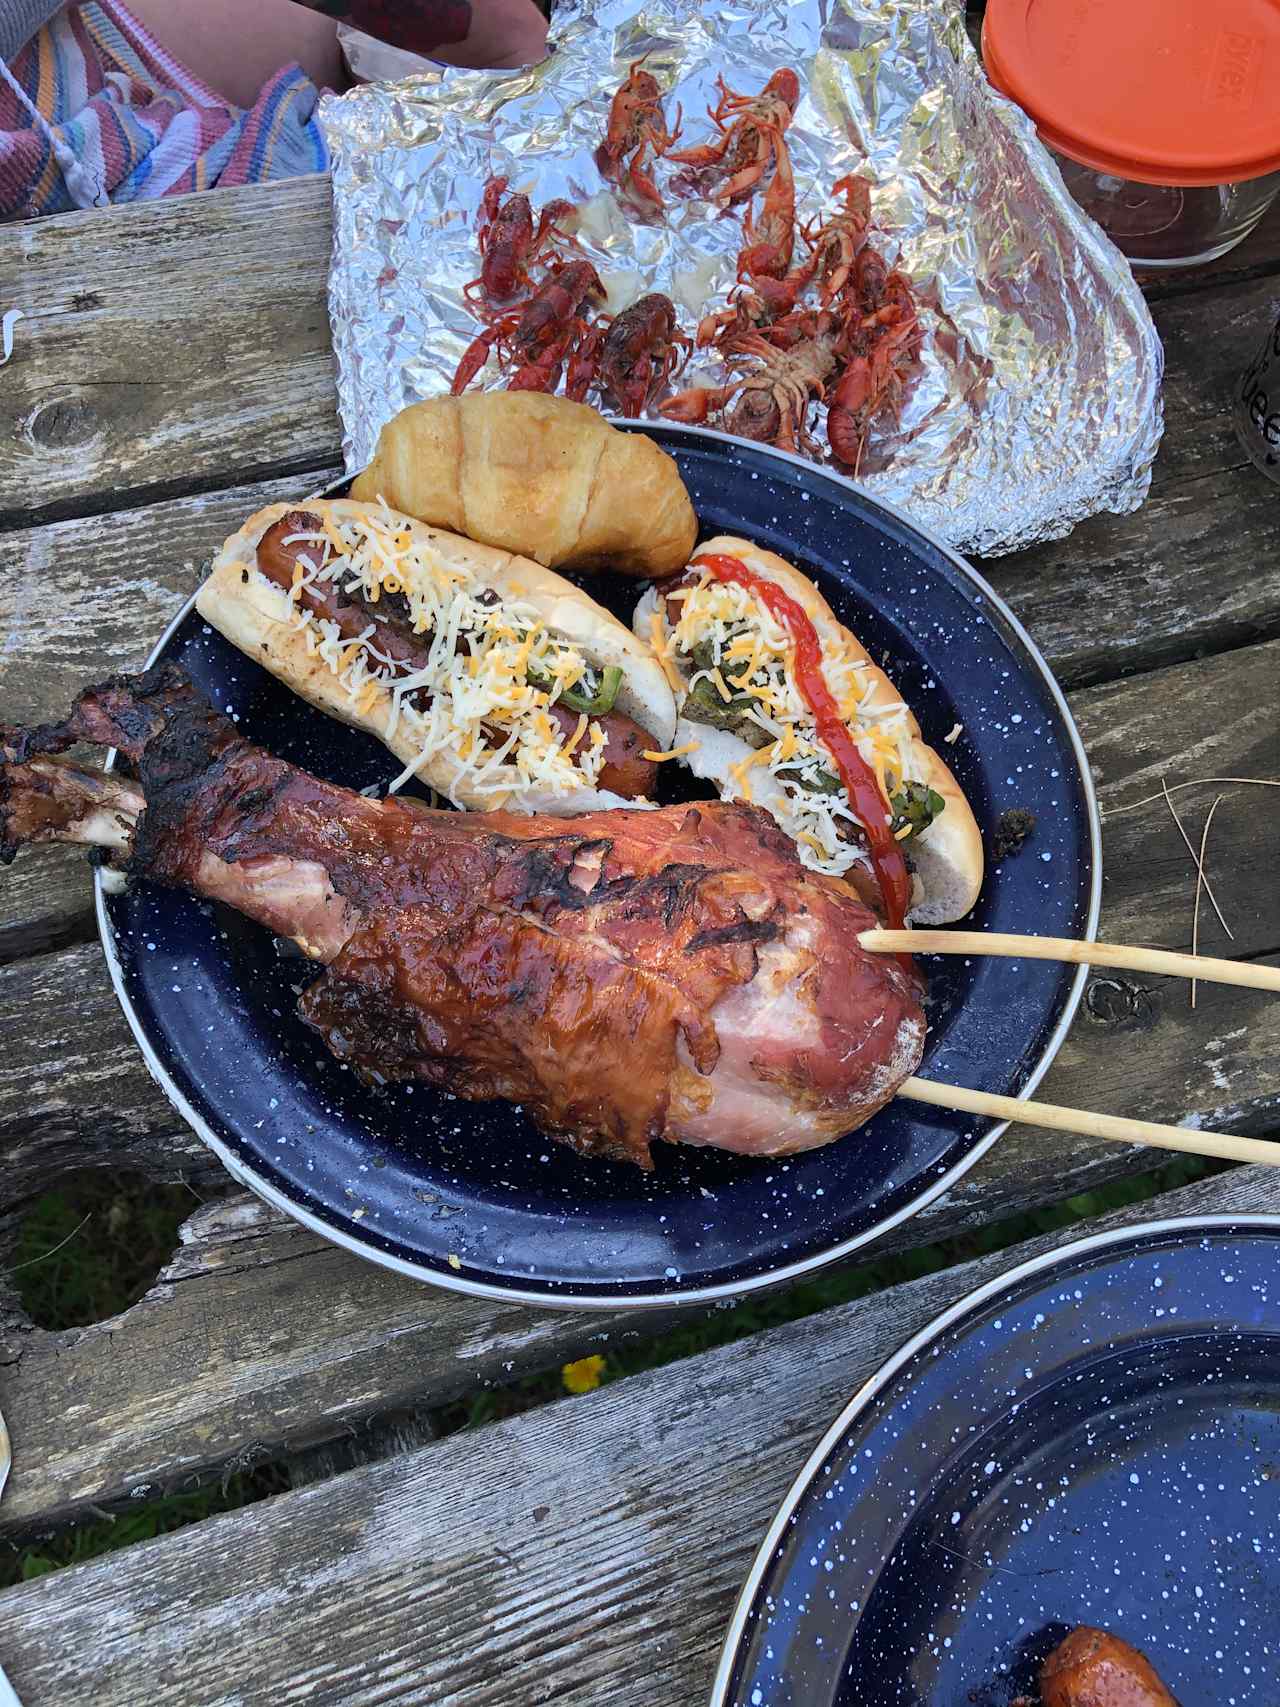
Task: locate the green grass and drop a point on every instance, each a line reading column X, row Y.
column 85, row 1252
column 76, row 1271
column 92, row 1248
column 149, row 1519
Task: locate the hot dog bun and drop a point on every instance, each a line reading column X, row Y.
column 434, row 571
column 946, row 858
column 537, row 475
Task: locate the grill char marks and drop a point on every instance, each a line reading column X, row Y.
column 351, row 612
column 122, row 711
column 625, row 976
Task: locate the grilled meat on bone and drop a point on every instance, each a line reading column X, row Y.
column 627, row 976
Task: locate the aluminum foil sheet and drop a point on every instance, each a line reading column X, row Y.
column 1038, row 399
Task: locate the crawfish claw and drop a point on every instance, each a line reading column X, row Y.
column 696, row 403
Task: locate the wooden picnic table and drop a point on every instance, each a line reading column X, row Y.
column 173, row 372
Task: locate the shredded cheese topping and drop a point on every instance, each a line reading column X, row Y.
column 475, row 703
column 751, row 654
column 672, row 753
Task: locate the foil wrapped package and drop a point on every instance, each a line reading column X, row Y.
column 1037, row 398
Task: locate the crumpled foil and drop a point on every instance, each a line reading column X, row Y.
column 1037, row 402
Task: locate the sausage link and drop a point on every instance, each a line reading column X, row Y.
column 277, row 561
column 624, row 772
column 1094, row 1669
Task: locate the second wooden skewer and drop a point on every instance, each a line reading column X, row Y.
column 1224, row 1146
column 1163, row 962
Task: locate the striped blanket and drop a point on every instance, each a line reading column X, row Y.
column 121, row 120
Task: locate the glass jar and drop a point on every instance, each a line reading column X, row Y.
column 1169, row 225
column 1257, row 407
column 1164, row 115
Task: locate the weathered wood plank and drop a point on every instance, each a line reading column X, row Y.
column 85, row 598
column 228, row 1355
column 1209, row 339
column 1194, row 570
column 223, row 372
column 219, row 371
column 74, row 1091
column 46, row 902
column 227, row 1361
column 1211, row 717
column 592, row 1549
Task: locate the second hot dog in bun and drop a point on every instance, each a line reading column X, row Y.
column 493, row 680
column 780, row 705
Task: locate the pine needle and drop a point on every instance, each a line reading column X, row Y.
column 1208, row 887
column 44, row 1255
column 1201, row 881
column 1198, row 782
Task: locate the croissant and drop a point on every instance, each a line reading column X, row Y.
column 537, row 475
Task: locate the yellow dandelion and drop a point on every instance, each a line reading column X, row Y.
column 582, row 1376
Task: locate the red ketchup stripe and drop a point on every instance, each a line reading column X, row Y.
column 864, row 793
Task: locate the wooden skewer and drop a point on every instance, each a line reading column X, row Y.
column 1161, row 961
column 1217, row 1144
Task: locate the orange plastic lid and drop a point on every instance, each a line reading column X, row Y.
column 1161, row 91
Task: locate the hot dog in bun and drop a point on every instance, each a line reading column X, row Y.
column 780, row 705
column 492, row 679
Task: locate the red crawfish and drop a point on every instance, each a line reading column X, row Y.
column 540, row 335
column 509, row 245
column 641, row 350
column 839, row 240
column 636, row 124
column 748, row 126
column 770, row 241
column 881, row 353
column 747, row 312
column 584, row 361
column 770, row 401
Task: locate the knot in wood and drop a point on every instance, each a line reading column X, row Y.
column 1119, row 1004
column 64, row 423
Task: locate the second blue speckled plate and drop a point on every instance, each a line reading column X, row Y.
column 1093, row 1438
column 469, row 1195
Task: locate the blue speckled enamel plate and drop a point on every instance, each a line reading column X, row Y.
column 1091, row 1439
column 469, row 1195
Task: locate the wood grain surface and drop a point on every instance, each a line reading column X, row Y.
column 228, row 1354
column 588, row 1553
column 84, row 599
column 183, row 347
